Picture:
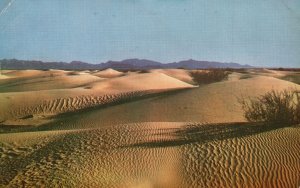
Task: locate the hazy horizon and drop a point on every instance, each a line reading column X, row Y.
column 258, row 33
column 77, row 60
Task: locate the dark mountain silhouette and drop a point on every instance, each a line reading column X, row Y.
column 193, row 64
column 125, row 64
column 132, row 64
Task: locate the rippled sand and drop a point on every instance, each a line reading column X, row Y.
column 29, row 95
column 153, row 155
column 141, row 132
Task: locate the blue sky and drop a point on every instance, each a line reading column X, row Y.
column 256, row 32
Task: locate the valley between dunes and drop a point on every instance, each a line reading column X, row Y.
column 141, row 129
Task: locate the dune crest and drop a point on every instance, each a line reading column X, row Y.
column 108, row 73
column 180, row 74
column 142, row 129
column 141, row 82
column 91, row 91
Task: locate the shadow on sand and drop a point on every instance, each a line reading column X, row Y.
column 202, row 133
column 67, row 116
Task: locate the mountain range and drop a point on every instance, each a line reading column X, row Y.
column 124, row 64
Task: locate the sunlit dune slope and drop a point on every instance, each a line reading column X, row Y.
column 24, row 73
column 143, row 81
column 108, row 73
column 180, row 74
column 196, row 137
column 47, row 83
column 93, row 91
column 213, row 103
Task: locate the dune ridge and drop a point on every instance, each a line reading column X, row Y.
column 71, row 104
column 149, row 129
column 91, row 91
column 108, row 73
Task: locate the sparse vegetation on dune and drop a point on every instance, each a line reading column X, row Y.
column 239, row 70
column 142, row 130
column 134, row 70
column 131, row 70
column 295, row 78
column 73, row 73
column 209, row 76
column 144, row 71
column 275, row 107
column 286, row 69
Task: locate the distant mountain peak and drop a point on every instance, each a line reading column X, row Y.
column 133, row 63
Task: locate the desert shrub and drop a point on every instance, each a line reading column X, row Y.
column 245, row 76
column 144, row 71
column 210, row 76
column 73, row 73
column 286, row 69
column 274, row 107
column 239, row 70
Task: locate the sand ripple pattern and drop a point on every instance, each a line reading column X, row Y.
column 71, row 104
column 268, row 159
column 95, row 158
column 157, row 154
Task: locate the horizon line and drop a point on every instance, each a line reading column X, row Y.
column 111, row 60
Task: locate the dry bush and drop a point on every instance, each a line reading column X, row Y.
column 239, row 70
column 286, row 69
column 274, row 107
column 144, row 71
column 73, row 73
column 127, row 70
column 210, row 76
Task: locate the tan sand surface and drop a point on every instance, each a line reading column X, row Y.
column 144, row 81
column 47, row 83
column 180, row 74
column 144, row 130
column 24, row 73
column 108, row 73
column 153, row 155
column 91, row 91
column 213, row 103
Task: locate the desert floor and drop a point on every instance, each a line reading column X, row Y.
column 142, row 129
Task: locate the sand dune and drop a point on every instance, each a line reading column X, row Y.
column 267, row 72
column 3, row 77
column 108, row 73
column 47, row 83
column 140, row 82
column 29, row 74
column 292, row 77
column 144, row 130
column 24, row 73
column 180, row 74
column 93, row 91
column 213, row 103
column 154, row 155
